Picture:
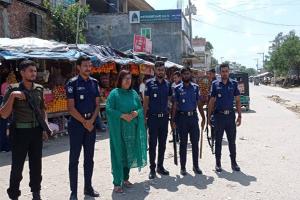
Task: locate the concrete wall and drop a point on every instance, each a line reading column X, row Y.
column 116, row 31
column 14, row 20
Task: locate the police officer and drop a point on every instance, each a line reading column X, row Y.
column 83, row 105
column 211, row 77
column 223, row 93
column 158, row 93
column 176, row 81
column 26, row 133
column 186, row 100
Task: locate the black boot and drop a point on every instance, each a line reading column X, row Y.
column 183, row 172
column 91, row 192
column 162, row 171
column 152, row 174
column 36, row 196
column 218, row 166
column 197, row 170
column 234, row 165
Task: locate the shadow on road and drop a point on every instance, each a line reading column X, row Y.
column 52, row 147
column 238, row 177
column 138, row 191
column 169, row 183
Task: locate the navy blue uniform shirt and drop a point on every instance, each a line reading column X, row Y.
column 187, row 97
column 224, row 94
column 84, row 93
column 158, row 94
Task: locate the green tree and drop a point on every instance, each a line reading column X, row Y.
column 208, row 46
column 285, row 54
column 65, row 21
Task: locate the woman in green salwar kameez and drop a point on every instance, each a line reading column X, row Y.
column 128, row 140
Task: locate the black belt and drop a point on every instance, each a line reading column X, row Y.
column 189, row 114
column 225, row 112
column 87, row 115
column 159, row 115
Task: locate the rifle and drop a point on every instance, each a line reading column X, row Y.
column 201, row 142
column 175, row 146
column 37, row 111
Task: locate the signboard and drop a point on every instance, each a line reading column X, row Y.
column 142, row 44
column 148, row 47
column 156, row 16
column 134, row 17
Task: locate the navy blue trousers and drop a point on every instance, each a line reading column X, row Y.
column 80, row 137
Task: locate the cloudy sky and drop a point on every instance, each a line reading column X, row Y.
column 239, row 29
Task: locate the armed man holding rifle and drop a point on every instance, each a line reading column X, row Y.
column 24, row 101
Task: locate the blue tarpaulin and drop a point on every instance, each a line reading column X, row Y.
column 71, row 55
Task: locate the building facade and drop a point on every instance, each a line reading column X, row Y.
column 202, row 57
column 116, row 26
column 23, row 18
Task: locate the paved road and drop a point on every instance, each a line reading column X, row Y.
column 267, row 145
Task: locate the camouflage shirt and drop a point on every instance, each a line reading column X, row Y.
column 22, row 111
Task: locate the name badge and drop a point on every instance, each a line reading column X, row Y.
column 183, row 100
column 155, row 95
column 81, row 97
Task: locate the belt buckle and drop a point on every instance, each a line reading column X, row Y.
column 190, row 114
column 160, row 115
column 226, row 112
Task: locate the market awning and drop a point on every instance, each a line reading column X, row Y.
column 170, row 64
column 71, row 55
column 32, row 44
column 105, row 54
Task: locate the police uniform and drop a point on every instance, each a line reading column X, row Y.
column 26, row 138
column 84, row 93
column 187, row 98
column 158, row 119
column 224, row 116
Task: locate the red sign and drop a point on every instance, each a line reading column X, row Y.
column 142, row 44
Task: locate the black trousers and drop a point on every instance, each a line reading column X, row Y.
column 158, row 131
column 225, row 123
column 188, row 125
column 26, row 142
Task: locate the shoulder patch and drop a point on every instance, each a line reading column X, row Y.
column 93, row 79
column 150, row 80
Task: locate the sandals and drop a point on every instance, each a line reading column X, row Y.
column 118, row 189
column 128, row 184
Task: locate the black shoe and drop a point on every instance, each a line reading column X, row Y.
column 219, row 168
column 183, row 172
column 36, row 196
column 73, row 197
column 235, row 167
column 197, row 170
column 91, row 192
column 152, row 175
column 162, row 171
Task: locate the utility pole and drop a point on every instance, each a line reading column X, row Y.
column 263, row 59
column 78, row 19
column 256, row 64
column 190, row 19
column 222, row 60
